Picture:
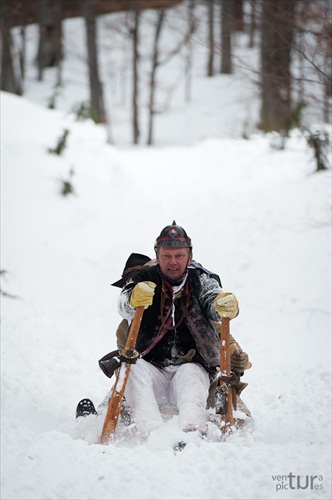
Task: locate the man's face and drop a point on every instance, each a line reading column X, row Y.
column 173, row 261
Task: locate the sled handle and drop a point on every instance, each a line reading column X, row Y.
column 115, row 401
column 134, row 329
column 225, row 365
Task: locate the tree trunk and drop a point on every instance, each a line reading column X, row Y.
column 327, row 50
column 50, row 35
column 155, row 62
column 22, row 53
column 276, row 46
column 238, row 14
column 227, row 26
column 210, row 67
column 327, row 105
column 10, row 81
column 135, row 34
column 97, row 108
column 252, row 25
column 189, row 55
column 22, row 50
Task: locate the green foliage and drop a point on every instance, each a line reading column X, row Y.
column 320, row 142
column 82, row 112
column 295, row 118
column 61, row 144
column 279, row 138
column 51, row 102
column 54, row 96
column 245, row 131
column 283, row 128
column 66, row 185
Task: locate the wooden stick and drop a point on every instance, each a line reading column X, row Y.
column 225, row 365
column 115, row 401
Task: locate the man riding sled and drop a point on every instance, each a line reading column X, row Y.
column 177, row 356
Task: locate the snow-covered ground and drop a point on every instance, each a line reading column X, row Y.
column 258, row 216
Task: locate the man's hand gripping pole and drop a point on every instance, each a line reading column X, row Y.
column 224, row 393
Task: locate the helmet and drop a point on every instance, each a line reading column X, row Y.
column 173, row 236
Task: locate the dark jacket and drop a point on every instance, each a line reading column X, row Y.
column 190, row 328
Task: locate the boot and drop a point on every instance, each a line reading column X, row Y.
column 85, row 407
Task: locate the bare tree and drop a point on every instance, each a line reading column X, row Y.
column 155, row 63
column 50, row 51
column 238, row 15
column 227, row 25
column 22, row 49
column 135, row 37
column 210, row 66
column 189, row 55
column 158, row 61
column 328, row 60
column 10, row 76
column 277, row 37
column 313, row 49
column 97, row 108
column 327, row 108
column 252, row 24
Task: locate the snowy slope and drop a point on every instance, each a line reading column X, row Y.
column 260, row 221
column 258, row 216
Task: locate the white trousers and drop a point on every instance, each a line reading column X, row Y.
column 185, row 386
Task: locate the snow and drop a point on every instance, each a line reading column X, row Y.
column 257, row 215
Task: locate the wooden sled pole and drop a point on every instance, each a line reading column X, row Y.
column 115, row 401
column 225, row 367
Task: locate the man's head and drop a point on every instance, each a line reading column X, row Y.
column 173, row 251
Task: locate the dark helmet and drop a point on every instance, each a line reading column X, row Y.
column 173, row 236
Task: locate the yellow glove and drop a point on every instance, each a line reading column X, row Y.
column 226, row 305
column 142, row 294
